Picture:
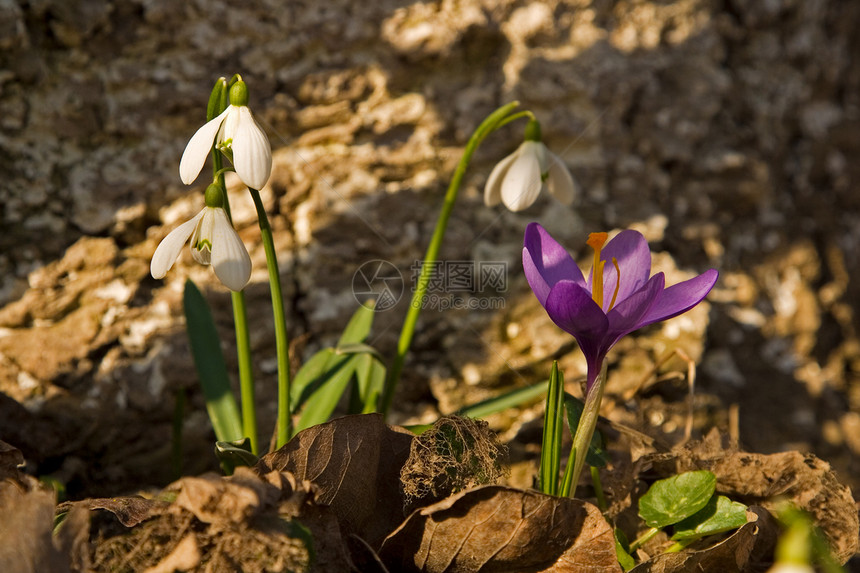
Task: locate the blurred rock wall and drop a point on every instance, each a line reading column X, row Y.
column 727, row 131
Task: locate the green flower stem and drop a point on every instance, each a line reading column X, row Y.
column 490, row 124
column 679, row 545
column 587, row 423
column 598, row 489
column 282, row 342
column 243, row 340
column 643, row 539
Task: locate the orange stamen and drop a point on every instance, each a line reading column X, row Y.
column 596, row 242
column 617, row 283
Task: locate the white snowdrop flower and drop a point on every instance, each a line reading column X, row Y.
column 235, row 130
column 213, row 241
column 518, row 179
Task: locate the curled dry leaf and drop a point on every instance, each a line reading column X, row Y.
column 355, row 462
column 764, row 480
column 744, row 550
column 495, row 529
column 128, row 510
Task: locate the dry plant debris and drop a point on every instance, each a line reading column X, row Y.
column 455, row 454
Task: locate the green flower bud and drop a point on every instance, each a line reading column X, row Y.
column 214, row 196
column 216, row 100
column 532, row 131
column 239, row 94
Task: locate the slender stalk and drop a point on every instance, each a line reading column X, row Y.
column 490, row 124
column 643, row 539
column 282, row 342
column 587, row 423
column 598, row 489
column 243, row 339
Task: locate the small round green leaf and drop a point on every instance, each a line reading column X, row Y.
column 676, row 498
column 719, row 515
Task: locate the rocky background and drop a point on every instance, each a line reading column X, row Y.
column 727, row 131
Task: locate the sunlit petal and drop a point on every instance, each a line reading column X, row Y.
column 546, row 262
column 230, row 259
column 170, row 247
column 252, row 154
column 559, row 182
column 198, row 149
column 630, row 249
column 522, row 183
column 493, row 188
column 681, row 297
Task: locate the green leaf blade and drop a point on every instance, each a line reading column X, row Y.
column 719, row 515
column 211, row 367
column 322, row 402
column 676, row 498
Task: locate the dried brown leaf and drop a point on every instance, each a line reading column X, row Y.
column 355, row 461
column 495, row 529
column 767, row 479
column 128, row 510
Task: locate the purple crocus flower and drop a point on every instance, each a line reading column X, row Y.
column 619, row 297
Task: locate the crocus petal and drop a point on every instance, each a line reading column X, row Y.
column 198, row 149
column 230, row 259
column 252, row 154
column 627, row 316
column 546, row 262
column 571, row 308
column 493, row 188
column 681, row 297
column 170, row 247
column 559, row 182
column 631, row 251
column 522, row 183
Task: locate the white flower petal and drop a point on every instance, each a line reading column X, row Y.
column 560, row 182
column 230, row 258
column 541, row 153
column 170, row 247
column 493, row 188
column 228, row 128
column 522, row 184
column 252, row 154
column 201, row 239
column 198, row 149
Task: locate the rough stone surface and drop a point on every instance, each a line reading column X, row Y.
column 727, row 131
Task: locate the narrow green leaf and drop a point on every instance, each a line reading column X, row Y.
column 358, row 327
column 507, row 400
column 673, row 499
column 322, row 402
column 596, row 455
column 719, row 515
column 359, row 348
column 370, row 379
column 211, row 368
column 310, row 372
column 550, row 455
